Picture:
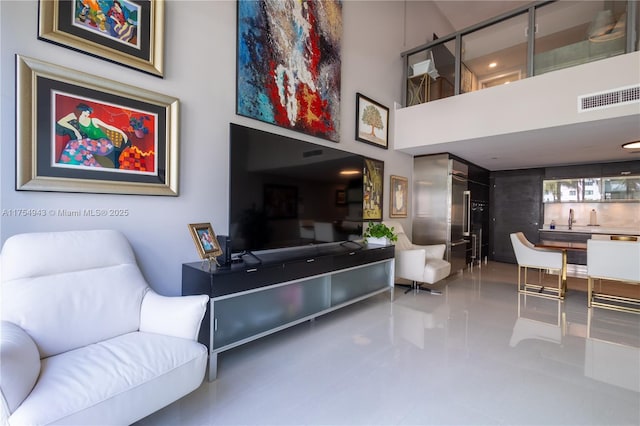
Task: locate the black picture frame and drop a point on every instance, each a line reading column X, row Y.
column 372, row 122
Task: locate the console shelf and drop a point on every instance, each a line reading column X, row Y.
column 249, row 301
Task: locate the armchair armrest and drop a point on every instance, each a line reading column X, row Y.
column 173, row 316
column 410, row 264
column 433, row 251
column 19, row 369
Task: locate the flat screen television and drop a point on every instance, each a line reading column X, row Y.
column 286, row 192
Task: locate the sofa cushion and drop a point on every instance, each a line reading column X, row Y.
column 19, row 365
column 113, row 382
column 82, row 250
column 66, row 311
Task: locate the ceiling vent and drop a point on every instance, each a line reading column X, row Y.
column 610, row 98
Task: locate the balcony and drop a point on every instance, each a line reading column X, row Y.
column 503, row 50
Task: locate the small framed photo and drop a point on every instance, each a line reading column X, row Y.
column 205, row 240
column 372, row 122
column 127, row 32
column 399, row 196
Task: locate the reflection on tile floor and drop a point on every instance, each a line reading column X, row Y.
column 477, row 354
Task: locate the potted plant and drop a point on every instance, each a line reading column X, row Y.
column 138, row 127
column 379, row 233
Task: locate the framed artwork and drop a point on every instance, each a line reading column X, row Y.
column 205, row 240
column 127, row 32
column 372, row 122
column 399, row 196
column 80, row 133
column 373, row 182
column 288, row 64
column 280, row 202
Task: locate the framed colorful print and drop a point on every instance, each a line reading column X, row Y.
column 127, row 32
column 288, row 64
column 399, row 196
column 373, row 182
column 77, row 132
column 372, row 122
column 205, row 240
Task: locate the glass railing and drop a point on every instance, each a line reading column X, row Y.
column 504, row 49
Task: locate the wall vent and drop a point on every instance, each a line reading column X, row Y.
column 610, row 98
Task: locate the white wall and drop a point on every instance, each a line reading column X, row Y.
column 554, row 104
column 200, row 47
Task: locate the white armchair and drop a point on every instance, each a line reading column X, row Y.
column 418, row 263
column 84, row 339
column 528, row 256
column 613, row 260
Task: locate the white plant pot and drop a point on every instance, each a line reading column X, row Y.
column 382, row 241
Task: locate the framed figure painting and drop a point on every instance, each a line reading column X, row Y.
column 399, row 197
column 127, row 32
column 80, row 133
column 373, row 182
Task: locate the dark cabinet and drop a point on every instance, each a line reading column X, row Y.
column 515, row 206
column 570, row 172
column 624, row 168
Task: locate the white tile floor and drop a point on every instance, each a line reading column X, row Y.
column 478, row 354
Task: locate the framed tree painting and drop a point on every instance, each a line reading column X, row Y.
column 399, row 196
column 373, row 182
column 372, row 122
column 288, row 64
column 80, row 133
column 127, row 32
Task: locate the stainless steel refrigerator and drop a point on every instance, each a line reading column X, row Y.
column 441, row 206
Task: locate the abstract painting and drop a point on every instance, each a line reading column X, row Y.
column 288, row 64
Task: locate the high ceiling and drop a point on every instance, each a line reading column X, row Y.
column 576, row 144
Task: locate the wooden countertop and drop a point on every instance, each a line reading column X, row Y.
column 562, row 245
column 594, row 230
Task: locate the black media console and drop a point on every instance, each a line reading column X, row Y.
column 278, row 289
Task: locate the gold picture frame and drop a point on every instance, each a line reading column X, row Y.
column 205, row 240
column 399, row 197
column 137, row 42
column 48, row 97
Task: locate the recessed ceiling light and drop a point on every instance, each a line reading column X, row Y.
column 493, row 65
column 632, row 145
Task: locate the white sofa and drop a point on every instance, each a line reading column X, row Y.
column 84, row 339
column 418, row 263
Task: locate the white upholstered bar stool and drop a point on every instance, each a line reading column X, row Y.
column 528, row 256
column 613, row 260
